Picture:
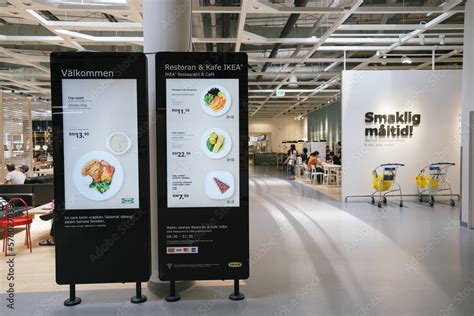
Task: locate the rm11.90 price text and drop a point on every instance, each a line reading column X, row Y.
column 180, row 111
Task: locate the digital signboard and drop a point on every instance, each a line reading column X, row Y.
column 100, row 124
column 202, row 140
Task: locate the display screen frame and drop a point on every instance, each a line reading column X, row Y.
column 130, row 232
column 233, row 253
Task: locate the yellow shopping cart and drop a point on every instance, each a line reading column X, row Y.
column 432, row 179
column 384, row 182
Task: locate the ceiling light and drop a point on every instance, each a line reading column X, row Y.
column 406, row 59
column 442, row 39
column 422, row 39
column 293, row 82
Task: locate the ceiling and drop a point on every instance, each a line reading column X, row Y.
column 297, row 48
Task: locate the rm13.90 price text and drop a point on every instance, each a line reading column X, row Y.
column 79, row 134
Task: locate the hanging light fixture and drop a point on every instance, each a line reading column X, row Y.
column 406, row 60
column 422, row 39
column 293, row 82
column 442, row 39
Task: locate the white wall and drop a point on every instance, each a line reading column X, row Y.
column 281, row 129
column 467, row 105
column 435, row 95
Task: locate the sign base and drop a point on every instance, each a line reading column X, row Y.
column 173, row 297
column 237, row 295
column 138, row 298
column 72, row 300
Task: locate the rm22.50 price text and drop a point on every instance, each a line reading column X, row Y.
column 181, row 154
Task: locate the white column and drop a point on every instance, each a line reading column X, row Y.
column 467, row 107
column 167, row 27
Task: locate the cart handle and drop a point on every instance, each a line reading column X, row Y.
column 392, row 164
column 443, row 163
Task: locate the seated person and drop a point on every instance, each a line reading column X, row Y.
column 24, row 169
column 336, row 160
column 14, row 176
column 314, row 161
column 330, row 157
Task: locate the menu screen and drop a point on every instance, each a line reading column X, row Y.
column 203, row 142
column 100, row 143
column 202, row 156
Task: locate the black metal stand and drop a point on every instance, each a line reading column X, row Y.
column 138, row 298
column 72, row 300
column 237, row 295
column 173, row 297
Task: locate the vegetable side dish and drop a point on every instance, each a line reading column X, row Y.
column 215, row 99
column 101, row 173
column 215, row 142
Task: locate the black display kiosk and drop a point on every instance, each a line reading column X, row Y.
column 101, row 173
column 202, row 141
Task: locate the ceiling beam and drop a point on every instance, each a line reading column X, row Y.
column 348, row 60
column 244, row 8
column 325, row 10
column 27, row 13
column 443, row 58
column 436, row 21
column 313, row 40
column 315, row 47
column 396, row 27
column 21, row 59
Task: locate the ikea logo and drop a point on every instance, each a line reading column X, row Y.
column 235, row 264
column 128, row 200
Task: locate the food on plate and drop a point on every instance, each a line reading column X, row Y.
column 101, row 173
column 215, row 142
column 119, row 143
column 215, row 99
column 223, row 187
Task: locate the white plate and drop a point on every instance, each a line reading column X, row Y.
column 82, row 183
column 212, row 190
column 206, row 108
column 225, row 148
